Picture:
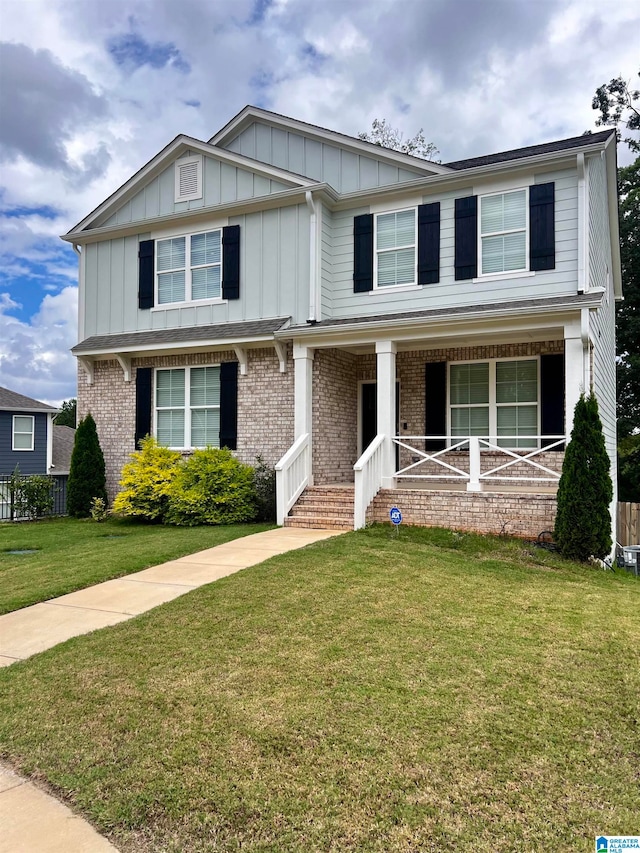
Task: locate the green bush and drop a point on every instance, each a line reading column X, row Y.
column 629, row 469
column 585, row 491
column 212, row 487
column 146, row 482
column 31, row 496
column 87, row 478
column 264, row 483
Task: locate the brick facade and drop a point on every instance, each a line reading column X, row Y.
column 335, row 416
column 265, row 406
column 500, row 513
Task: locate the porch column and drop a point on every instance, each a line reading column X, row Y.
column 303, row 394
column 386, row 406
column 574, row 378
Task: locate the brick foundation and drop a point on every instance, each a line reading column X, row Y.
column 481, row 512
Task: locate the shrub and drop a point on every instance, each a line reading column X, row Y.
column 264, row 483
column 146, row 481
column 99, row 511
column 212, row 487
column 32, row 496
column 87, row 478
column 585, row 491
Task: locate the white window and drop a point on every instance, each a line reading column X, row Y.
column 496, row 398
column 503, row 232
column 187, row 407
column 189, row 268
column 188, row 178
column 395, row 248
column 23, row 432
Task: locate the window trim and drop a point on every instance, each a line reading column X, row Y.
column 13, row 434
column 492, row 404
column 389, row 288
column 482, row 276
column 188, row 284
column 187, row 403
column 186, row 161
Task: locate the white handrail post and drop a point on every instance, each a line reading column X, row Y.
column 474, row 464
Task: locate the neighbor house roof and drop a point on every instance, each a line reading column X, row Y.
column 63, row 440
column 12, row 401
column 532, row 150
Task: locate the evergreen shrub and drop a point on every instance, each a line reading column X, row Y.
column 264, row 481
column 585, row 491
column 87, row 479
column 146, row 482
column 212, row 487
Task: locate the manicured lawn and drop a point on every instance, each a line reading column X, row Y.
column 428, row 692
column 69, row 554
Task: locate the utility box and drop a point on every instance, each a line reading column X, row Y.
column 631, row 555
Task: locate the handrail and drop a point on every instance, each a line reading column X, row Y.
column 474, row 445
column 293, row 474
column 368, row 479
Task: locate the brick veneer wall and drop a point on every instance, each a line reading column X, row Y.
column 512, row 514
column 265, row 406
column 335, row 416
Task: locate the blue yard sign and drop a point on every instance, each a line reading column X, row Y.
column 395, row 515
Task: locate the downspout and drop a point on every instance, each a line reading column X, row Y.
column 313, row 281
column 585, row 337
column 50, row 417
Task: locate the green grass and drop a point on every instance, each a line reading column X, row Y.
column 72, row 554
column 434, row 691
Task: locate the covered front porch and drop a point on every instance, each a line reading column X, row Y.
column 465, row 427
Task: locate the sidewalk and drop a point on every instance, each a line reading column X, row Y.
column 31, row 820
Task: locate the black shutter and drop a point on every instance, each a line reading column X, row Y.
column 429, row 243
column 542, row 238
column 363, row 253
column 552, row 396
column 435, row 400
column 229, row 404
column 466, row 251
column 231, row 262
column 143, row 403
column 145, row 274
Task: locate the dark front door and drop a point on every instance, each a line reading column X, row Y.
column 369, row 416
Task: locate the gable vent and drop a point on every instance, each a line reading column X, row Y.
column 189, row 178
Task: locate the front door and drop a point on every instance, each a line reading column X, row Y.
column 369, row 416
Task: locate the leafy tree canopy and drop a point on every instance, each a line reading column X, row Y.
column 67, row 414
column 386, row 136
column 616, row 102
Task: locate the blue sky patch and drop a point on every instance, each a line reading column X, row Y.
column 259, row 11
column 131, row 50
column 46, row 212
column 193, row 103
column 313, row 58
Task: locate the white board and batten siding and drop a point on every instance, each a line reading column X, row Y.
column 222, row 183
column 274, row 277
column 448, row 292
column 346, row 171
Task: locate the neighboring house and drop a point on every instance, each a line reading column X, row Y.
column 26, row 434
column 291, row 292
column 63, row 441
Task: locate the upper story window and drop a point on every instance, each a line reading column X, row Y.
column 496, row 398
column 395, row 248
column 503, row 232
column 189, row 268
column 188, row 177
column 23, row 432
column 187, row 409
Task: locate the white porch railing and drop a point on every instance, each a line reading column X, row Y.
column 293, row 475
column 474, row 445
column 368, row 479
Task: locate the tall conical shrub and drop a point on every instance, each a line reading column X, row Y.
column 585, row 491
column 87, row 473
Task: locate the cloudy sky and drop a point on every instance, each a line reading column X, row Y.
column 92, row 89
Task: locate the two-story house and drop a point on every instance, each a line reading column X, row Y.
column 388, row 330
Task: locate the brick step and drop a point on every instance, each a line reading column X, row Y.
column 316, row 523
column 323, row 511
column 345, row 504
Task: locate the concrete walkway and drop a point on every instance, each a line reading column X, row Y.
column 31, row 820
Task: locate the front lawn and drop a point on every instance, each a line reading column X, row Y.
column 63, row 554
column 432, row 691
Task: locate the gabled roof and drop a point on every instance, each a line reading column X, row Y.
column 164, row 158
column 250, row 114
column 11, row 401
column 532, row 150
column 63, row 441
